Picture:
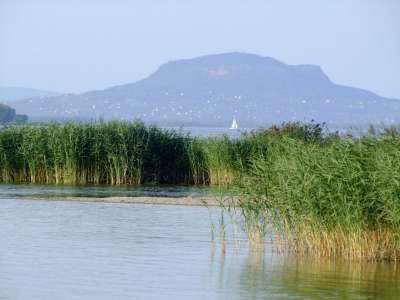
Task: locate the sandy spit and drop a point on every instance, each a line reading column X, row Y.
column 185, row 201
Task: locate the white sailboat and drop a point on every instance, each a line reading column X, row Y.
column 234, row 124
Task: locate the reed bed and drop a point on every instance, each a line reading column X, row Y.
column 329, row 196
column 116, row 153
column 320, row 194
column 99, row 153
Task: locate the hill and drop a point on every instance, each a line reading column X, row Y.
column 210, row 90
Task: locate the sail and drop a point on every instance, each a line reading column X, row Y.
column 234, row 124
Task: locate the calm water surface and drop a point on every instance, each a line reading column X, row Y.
column 71, row 250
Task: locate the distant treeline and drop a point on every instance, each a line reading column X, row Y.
column 8, row 115
column 325, row 194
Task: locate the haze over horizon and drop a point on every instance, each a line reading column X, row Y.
column 75, row 47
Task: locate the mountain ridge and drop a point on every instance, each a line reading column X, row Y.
column 211, row 89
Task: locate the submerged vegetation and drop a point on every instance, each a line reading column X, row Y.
column 320, row 194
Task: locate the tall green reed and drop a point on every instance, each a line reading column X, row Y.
column 330, row 197
column 94, row 153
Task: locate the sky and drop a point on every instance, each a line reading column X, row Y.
column 76, row 46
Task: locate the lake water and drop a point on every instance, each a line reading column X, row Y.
column 206, row 131
column 76, row 250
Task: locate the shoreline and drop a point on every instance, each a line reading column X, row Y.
column 181, row 201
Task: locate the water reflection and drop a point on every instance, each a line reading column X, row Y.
column 307, row 278
column 315, row 279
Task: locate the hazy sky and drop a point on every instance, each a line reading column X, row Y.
column 75, row 46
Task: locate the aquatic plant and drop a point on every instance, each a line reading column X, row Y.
column 318, row 193
column 128, row 153
column 94, row 153
column 337, row 198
